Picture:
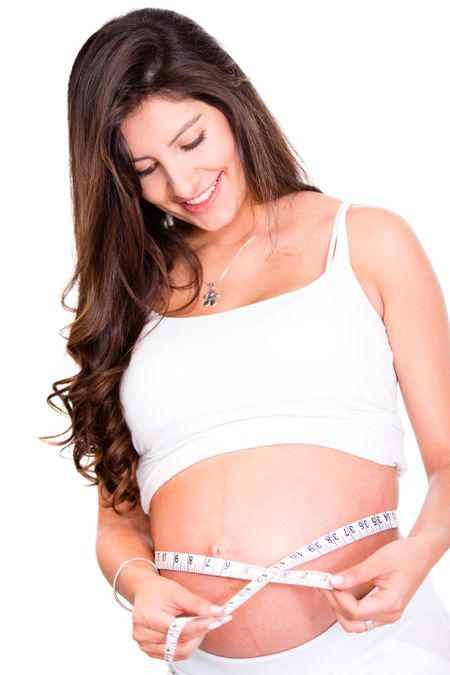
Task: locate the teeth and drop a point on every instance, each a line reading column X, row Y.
column 204, row 196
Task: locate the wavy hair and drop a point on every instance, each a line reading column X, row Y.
column 124, row 250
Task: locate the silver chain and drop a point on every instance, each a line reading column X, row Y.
column 210, row 297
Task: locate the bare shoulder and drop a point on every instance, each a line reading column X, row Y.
column 384, row 244
column 367, row 225
column 384, row 249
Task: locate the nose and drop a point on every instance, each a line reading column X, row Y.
column 182, row 185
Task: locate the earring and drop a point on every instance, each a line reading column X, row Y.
column 168, row 221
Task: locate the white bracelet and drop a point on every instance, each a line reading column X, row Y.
column 124, row 564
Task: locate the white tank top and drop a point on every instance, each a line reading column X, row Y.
column 313, row 365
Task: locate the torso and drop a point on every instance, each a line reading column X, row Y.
column 230, row 505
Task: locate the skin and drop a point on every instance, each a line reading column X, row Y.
column 400, row 282
column 180, row 174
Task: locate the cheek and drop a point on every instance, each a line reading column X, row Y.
column 153, row 189
column 223, row 148
column 232, row 158
column 229, row 149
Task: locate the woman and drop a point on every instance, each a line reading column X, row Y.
column 240, row 337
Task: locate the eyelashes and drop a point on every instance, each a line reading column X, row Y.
column 194, row 144
column 186, row 148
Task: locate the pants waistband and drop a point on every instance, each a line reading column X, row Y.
column 337, row 647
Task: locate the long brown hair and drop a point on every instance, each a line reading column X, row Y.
column 125, row 252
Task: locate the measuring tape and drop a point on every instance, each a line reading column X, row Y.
column 261, row 576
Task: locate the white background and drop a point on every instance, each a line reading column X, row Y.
column 359, row 87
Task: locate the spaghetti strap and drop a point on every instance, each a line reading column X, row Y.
column 340, row 233
column 334, row 241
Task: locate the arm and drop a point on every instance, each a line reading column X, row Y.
column 417, row 325
column 433, row 523
column 416, row 320
column 120, row 537
column 156, row 600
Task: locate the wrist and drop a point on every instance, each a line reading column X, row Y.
column 432, row 546
column 129, row 575
column 137, row 572
column 140, row 583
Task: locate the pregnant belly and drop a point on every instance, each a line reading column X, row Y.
column 258, row 505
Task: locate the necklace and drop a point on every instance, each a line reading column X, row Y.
column 211, row 295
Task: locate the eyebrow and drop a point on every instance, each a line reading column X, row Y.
column 184, row 128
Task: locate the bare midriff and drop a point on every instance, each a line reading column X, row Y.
column 257, row 505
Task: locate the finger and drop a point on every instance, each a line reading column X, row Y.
column 342, row 616
column 373, row 567
column 357, row 626
column 157, row 621
column 194, row 629
column 343, row 603
column 153, row 642
column 157, row 650
column 335, row 600
column 185, row 649
column 383, row 605
column 160, row 621
column 330, row 597
column 196, row 605
column 200, row 627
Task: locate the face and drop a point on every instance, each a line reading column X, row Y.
column 185, row 150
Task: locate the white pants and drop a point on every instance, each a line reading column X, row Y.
column 417, row 644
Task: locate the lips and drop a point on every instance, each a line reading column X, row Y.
column 200, row 193
column 203, row 206
column 207, row 188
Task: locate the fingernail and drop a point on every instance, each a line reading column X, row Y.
column 217, row 624
column 215, row 608
column 337, row 579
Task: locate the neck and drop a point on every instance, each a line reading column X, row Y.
column 249, row 221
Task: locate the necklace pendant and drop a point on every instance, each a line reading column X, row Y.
column 210, row 297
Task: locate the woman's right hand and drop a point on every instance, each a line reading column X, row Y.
column 158, row 601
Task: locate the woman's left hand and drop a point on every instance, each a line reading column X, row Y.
column 397, row 569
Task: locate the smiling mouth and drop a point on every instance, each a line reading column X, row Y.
column 203, row 196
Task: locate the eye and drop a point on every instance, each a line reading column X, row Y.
column 186, row 148
column 146, row 172
column 194, row 144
